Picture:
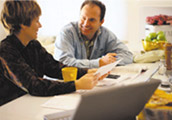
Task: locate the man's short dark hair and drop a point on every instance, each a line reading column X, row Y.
column 98, row 3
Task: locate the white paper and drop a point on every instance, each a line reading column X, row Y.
column 107, row 68
column 65, row 115
column 110, row 81
column 144, row 76
column 63, row 102
column 129, row 75
column 128, row 69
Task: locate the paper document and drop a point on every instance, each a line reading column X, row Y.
column 63, row 102
column 110, row 81
column 150, row 72
column 128, row 69
column 105, row 69
column 129, row 75
column 144, row 76
column 65, row 115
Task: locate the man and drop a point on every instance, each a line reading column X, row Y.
column 87, row 44
column 23, row 61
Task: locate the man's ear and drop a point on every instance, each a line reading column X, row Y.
column 102, row 21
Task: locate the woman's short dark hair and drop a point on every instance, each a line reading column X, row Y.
column 99, row 4
column 17, row 12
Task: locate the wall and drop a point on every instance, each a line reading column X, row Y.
column 64, row 11
column 133, row 25
column 2, row 31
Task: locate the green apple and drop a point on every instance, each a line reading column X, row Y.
column 152, row 35
column 160, row 32
column 148, row 39
column 154, row 40
column 161, row 37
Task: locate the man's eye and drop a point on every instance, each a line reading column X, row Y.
column 92, row 20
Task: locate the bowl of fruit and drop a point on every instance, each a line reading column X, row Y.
column 154, row 41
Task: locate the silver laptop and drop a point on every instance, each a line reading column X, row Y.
column 112, row 103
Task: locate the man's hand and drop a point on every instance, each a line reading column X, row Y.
column 107, row 59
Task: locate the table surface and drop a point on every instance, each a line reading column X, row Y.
column 25, row 108
column 29, row 107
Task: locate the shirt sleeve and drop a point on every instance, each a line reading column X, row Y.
column 27, row 79
column 65, row 51
column 114, row 45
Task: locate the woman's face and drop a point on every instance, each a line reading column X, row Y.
column 31, row 31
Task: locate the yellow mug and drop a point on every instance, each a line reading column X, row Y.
column 69, row 73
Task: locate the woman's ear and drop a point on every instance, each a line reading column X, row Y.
column 22, row 26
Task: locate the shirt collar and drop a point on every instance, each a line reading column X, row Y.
column 16, row 42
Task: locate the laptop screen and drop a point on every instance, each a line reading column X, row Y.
column 115, row 103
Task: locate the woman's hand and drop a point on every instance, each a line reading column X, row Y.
column 99, row 77
column 92, row 70
column 104, row 76
column 88, row 81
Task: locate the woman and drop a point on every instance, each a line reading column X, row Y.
column 23, row 61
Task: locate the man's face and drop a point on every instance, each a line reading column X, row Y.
column 89, row 21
